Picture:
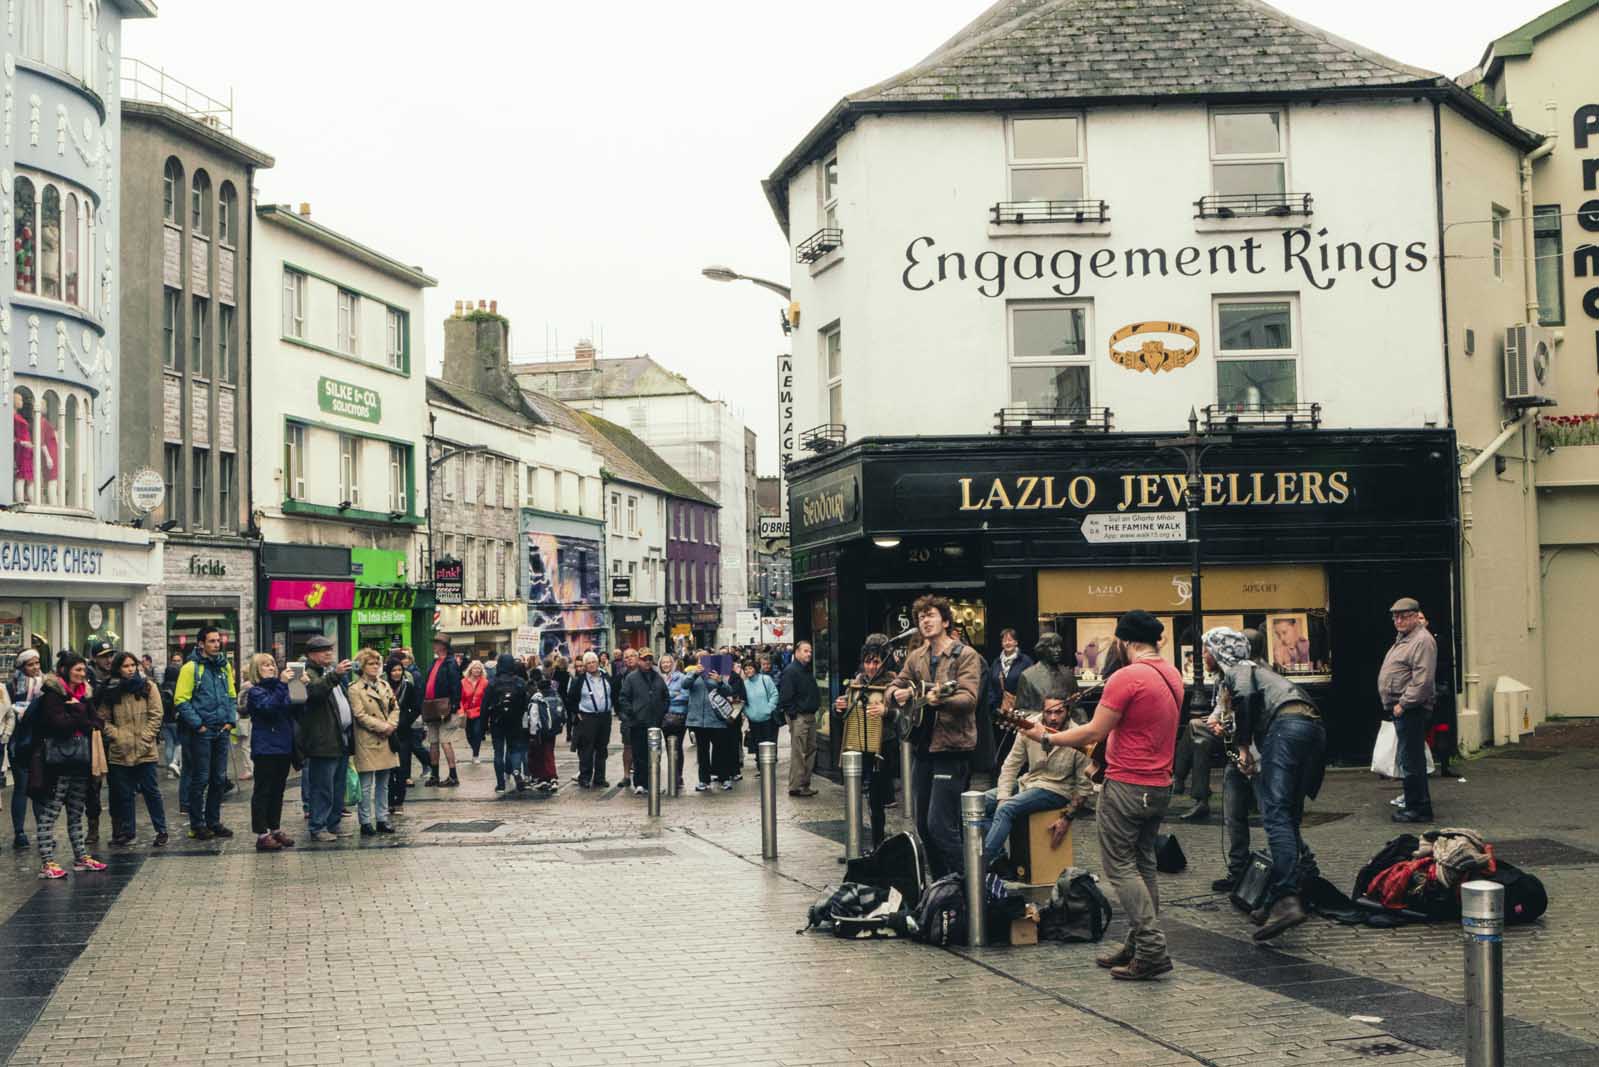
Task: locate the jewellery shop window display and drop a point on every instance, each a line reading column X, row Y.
column 1295, row 625
column 27, row 624
column 890, row 613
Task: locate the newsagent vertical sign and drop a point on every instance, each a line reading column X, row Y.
column 785, row 425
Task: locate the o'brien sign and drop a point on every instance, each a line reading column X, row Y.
column 1298, row 252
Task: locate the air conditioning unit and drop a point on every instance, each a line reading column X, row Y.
column 1528, row 352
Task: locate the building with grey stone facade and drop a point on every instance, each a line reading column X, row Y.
column 186, row 369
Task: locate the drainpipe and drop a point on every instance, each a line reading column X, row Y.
column 1529, row 276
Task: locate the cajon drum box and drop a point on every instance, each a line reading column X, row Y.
column 1037, row 863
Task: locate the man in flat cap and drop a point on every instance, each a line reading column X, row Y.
column 1405, row 688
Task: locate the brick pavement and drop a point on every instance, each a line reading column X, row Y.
column 466, row 947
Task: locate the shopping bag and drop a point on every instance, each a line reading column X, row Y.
column 1385, row 754
column 352, row 787
column 97, row 760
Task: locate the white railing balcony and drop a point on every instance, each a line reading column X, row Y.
column 152, row 85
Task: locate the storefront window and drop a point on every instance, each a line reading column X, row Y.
column 89, row 621
column 27, row 624
column 291, row 632
column 183, row 627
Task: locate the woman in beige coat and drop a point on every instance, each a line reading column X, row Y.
column 377, row 717
column 131, row 707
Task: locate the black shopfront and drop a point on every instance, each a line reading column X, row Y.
column 1306, row 535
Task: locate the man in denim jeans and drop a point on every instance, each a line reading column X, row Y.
column 324, row 738
column 207, row 701
column 1274, row 716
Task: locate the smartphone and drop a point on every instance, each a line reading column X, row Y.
column 721, row 664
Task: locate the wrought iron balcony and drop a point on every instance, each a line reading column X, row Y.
column 1020, row 419
column 1021, row 212
column 823, row 438
column 1251, row 205
column 818, row 245
column 1230, row 417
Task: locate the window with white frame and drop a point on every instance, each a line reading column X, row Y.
column 53, row 240
column 829, row 193
column 293, row 303
column 1248, row 151
column 394, row 348
column 399, row 468
column 1501, row 217
column 1046, row 158
column 200, row 205
column 350, row 469
column 632, row 515
column 1257, row 352
column 1050, row 370
column 833, row 373
column 532, row 498
column 349, row 322
column 294, row 461
column 615, row 516
column 56, row 424
column 483, row 569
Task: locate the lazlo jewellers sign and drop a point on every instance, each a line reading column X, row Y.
column 1316, row 256
column 1028, row 492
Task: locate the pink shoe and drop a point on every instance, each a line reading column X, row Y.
column 88, row 863
column 52, row 870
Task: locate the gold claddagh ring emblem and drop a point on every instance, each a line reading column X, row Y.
column 1154, row 355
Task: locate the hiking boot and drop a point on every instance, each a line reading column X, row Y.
column 1142, row 970
column 1286, row 914
column 433, row 781
column 1120, row 958
column 452, row 781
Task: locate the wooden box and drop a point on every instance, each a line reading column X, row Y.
column 1030, row 849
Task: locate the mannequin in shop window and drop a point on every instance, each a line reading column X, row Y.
column 50, row 450
column 22, row 446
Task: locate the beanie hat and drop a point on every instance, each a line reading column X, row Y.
column 1140, row 627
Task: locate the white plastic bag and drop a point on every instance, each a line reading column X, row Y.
column 1385, row 754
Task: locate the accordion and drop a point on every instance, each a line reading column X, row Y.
column 863, row 732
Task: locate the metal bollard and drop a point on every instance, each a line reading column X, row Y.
column 766, row 759
column 656, row 741
column 907, row 799
column 674, row 773
column 852, row 763
column 1482, row 916
column 973, row 807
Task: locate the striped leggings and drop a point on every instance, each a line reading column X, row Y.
column 74, row 793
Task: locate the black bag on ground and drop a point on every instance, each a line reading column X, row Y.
column 849, row 899
column 1525, row 897
column 1169, row 858
column 898, row 863
column 1077, row 911
column 1253, row 885
column 941, row 914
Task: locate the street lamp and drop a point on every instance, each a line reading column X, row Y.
column 1193, row 448
column 718, row 273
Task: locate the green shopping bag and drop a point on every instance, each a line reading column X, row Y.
column 352, row 787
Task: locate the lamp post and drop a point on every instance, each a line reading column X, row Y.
column 717, row 273
column 1193, row 447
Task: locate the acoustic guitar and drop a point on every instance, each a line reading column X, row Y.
column 916, row 718
column 1007, row 719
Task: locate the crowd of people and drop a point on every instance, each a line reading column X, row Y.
column 360, row 731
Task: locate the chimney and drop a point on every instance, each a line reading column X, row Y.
column 305, row 210
column 477, row 351
column 584, row 352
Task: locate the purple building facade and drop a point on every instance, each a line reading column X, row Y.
column 693, row 573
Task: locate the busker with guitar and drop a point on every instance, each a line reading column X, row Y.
column 1285, row 726
column 937, row 692
column 1137, row 722
column 1057, row 778
column 865, row 724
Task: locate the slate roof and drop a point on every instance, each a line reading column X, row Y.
column 1058, row 49
column 641, row 454
column 622, row 377
column 492, row 408
column 1072, row 52
column 1521, row 40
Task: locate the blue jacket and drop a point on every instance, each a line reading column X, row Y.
column 205, row 695
column 271, row 718
column 677, row 692
column 700, row 715
column 760, row 698
column 998, row 686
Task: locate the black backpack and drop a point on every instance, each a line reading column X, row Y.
column 941, row 915
column 1077, row 910
column 1169, row 858
column 849, row 901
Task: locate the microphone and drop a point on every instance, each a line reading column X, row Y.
column 897, row 638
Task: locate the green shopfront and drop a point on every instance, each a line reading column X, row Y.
column 386, row 607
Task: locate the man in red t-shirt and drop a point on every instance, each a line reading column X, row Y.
column 1137, row 722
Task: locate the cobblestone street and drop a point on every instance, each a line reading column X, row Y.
column 574, row 931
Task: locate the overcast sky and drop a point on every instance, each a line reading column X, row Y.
column 580, row 162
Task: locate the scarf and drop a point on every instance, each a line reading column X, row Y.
column 1005, row 660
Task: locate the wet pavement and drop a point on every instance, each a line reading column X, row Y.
column 577, row 930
